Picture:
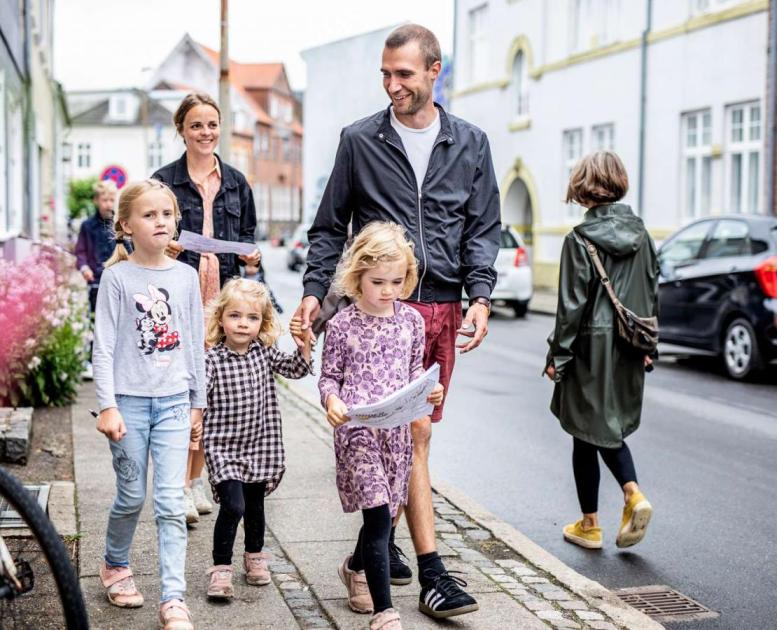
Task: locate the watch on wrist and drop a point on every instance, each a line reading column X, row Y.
column 481, row 300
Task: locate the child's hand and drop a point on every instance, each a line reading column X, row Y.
column 196, row 420
column 335, row 411
column 111, row 424
column 303, row 338
column 436, row 395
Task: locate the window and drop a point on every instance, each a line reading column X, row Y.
column 593, row 23
column 743, row 160
column 696, row 164
column 603, row 137
column 685, row 246
column 520, row 84
column 83, row 153
column 730, row 238
column 3, row 154
column 699, row 7
column 15, row 163
column 572, row 152
column 155, row 155
column 609, row 22
column 478, row 44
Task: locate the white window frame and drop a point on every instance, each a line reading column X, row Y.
column 702, row 7
column 478, row 43
column 15, row 162
column 603, row 137
column 571, row 152
column 744, row 197
column 520, row 85
column 155, row 155
column 84, row 155
column 696, row 163
column 3, row 158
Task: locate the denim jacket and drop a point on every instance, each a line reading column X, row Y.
column 234, row 213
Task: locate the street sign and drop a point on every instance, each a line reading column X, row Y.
column 116, row 174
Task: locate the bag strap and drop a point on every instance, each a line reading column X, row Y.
column 594, row 254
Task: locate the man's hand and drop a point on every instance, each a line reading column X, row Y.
column 87, row 273
column 173, row 249
column 648, row 362
column 475, row 325
column 550, row 371
column 306, row 313
column 195, row 416
column 111, row 424
column 252, row 259
column 303, row 336
column 335, row 411
column 436, row 395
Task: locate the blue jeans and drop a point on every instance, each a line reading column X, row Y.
column 161, row 426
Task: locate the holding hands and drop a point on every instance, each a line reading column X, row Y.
column 196, row 422
column 302, row 337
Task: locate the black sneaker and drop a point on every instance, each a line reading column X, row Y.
column 442, row 597
column 401, row 573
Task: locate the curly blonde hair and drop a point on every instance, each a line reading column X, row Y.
column 252, row 292
column 379, row 241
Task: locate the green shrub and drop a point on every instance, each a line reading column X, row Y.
column 79, row 197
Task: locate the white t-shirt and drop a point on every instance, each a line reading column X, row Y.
column 418, row 144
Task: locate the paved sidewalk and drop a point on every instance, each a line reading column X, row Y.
column 517, row 584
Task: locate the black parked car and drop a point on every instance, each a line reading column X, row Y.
column 718, row 290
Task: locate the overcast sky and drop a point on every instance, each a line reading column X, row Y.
column 107, row 43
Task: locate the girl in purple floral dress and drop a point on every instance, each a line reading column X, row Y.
column 373, row 347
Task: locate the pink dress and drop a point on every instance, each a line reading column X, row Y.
column 366, row 358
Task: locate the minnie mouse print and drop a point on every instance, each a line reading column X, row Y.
column 154, row 326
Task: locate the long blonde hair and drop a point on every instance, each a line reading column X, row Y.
column 129, row 194
column 250, row 291
column 379, row 241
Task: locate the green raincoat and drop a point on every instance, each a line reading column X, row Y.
column 599, row 385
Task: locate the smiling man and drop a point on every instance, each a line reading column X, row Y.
column 430, row 172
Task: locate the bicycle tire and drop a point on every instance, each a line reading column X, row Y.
column 54, row 551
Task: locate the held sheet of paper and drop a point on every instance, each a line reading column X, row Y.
column 203, row 245
column 403, row 406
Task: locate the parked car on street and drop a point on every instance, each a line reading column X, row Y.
column 297, row 248
column 718, row 290
column 514, row 280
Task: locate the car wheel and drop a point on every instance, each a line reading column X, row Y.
column 520, row 308
column 741, row 356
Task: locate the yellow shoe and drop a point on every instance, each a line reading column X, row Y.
column 590, row 538
column 636, row 516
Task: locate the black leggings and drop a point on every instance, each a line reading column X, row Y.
column 585, row 463
column 372, row 555
column 238, row 499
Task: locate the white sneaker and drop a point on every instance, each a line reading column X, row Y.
column 192, row 516
column 201, row 502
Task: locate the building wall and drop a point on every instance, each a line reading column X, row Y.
column 330, row 103
column 575, row 79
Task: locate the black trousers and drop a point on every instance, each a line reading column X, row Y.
column 585, row 463
column 238, row 500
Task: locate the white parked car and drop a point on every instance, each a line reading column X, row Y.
column 514, row 280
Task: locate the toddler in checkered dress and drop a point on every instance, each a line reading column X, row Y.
column 373, row 347
column 242, row 426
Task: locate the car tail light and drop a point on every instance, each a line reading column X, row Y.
column 766, row 273
column 521, row 258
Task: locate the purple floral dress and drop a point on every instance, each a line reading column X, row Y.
column 365, row 359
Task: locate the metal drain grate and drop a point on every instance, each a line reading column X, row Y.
column 9, row 518
column 664, row 604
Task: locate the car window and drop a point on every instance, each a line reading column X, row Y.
column 685, row 245
column 507, row 240
column 729, row 238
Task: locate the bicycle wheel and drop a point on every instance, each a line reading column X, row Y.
column 45, row 593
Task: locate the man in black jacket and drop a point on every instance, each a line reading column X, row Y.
column 430, row 172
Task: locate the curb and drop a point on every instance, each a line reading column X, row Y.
column 596, row 595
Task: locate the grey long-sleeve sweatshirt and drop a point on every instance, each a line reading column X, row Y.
column 149, row 333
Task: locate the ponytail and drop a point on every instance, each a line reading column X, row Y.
column 119, row 253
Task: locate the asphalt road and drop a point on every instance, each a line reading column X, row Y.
column 706, row 457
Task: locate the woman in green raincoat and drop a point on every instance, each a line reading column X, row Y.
column 599, row 383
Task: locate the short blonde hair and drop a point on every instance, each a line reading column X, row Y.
column 380, row 241
column 104, row 187
column 129, row 194
column 250, row 291
column 598, row 178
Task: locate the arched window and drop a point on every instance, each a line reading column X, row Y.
column 520, row 85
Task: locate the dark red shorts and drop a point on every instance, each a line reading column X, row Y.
column 441, row 321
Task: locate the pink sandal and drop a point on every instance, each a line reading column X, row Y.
column 175, row 615
column 120, row 587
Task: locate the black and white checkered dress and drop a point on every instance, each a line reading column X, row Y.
column 242, row 434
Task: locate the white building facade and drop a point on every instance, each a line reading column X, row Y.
column 552, row 81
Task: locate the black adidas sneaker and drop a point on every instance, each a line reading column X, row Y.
column 443, row 597
column 401, row 573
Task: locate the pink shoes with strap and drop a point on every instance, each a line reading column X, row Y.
column 120, row 587
column 220, row 585
column 175, row 615
column 257, row 571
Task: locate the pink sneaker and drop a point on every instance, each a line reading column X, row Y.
column 175, row 615
column 386, row 620
column 359, row 598
column 120, row 587
column 257, row 571
column 220, row 585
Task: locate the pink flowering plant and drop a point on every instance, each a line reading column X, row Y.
column 44, row 329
